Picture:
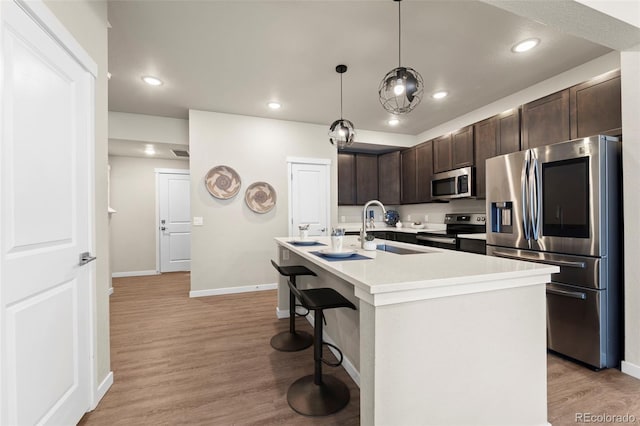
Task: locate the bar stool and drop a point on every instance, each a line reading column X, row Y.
column 319, row 394
column 292, row 340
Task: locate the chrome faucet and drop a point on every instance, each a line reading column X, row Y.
column 363, row 231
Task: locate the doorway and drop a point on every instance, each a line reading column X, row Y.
column 173, row 220
column 309, row 195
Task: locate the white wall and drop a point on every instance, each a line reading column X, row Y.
column 234, row 246
column 148, row 128
column 133, row 227
column 87, row 22
column 631, row 177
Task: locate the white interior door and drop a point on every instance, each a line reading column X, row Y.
column 310, row 197
column 46, row 221
column 174, row 222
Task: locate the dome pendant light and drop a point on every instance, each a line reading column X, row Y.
column 341, row 132
column 401, row 88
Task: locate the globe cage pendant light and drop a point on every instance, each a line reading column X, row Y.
column 341, row 132
column 401, row 88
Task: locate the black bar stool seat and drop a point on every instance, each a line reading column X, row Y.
column 319, row 394
column 292, row 340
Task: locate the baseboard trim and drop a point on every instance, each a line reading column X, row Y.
column 134, row 273
column 102, row 390
column 232, row 290
column 110, row 291
column 282, row 313
column 630, row 369
column 346, row 362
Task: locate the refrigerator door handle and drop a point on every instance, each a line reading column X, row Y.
column 561, row 263
column 525, row 192
column 565, row 293
column 535, row 199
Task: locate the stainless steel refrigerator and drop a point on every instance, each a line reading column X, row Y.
column 561, row 205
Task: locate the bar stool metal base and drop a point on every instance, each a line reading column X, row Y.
column 309, row 399
column 291, row 342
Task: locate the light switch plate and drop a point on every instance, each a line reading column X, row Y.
column 198, row 221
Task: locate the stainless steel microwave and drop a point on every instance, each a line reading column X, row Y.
column 453, row 184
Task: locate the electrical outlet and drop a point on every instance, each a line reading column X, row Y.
column 426, row 218
column 285, row 254
column 343, row 219
column 409, row 218
column 198, row 221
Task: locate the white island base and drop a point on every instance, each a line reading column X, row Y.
column 445, row 338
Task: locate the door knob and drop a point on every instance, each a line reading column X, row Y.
column 162, row 228
column 85, row 258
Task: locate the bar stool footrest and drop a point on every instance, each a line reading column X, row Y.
column 291, row 342
column 309, row 399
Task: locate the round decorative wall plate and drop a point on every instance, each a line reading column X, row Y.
column 222, row 182
column 260, row 197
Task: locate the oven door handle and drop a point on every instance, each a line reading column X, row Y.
column 566, row 293
column 566, row 263
column 436, row 239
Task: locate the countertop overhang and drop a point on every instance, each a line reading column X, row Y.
column 389, row 278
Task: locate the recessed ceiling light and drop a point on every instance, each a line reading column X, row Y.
column 440, row 95
column 149, row 150
column 274, row 105
column 393, row 122
column 152, row 81
column 525, row 45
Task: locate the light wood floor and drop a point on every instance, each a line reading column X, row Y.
column 208, row 361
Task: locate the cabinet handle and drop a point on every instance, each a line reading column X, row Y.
column 573, row 294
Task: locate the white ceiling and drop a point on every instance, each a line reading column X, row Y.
column 235, row 56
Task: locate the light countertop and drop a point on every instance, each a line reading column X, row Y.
column 389, row 278
column 406, row 228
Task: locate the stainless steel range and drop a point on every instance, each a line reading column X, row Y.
column 560, row 205
column 456, row 224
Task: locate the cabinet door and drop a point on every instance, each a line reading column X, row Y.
column 462, row 148
column 596, row 106
column 442, row 154
column 486, row 134
column 346, row 179
column 546, row 121
column 389, row 178
column 508, row 132
column 366, row 178
column 408, row 190
column 424, row 171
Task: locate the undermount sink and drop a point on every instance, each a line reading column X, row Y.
column 397, row 250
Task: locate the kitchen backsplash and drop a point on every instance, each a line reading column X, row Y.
column 416, row 212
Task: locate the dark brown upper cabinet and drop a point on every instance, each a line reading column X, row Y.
column 366, row 178
column 462, row 148
column 486, row 147
column 546, row 121
column 424, row 171
column 497, row 135
column 409, row 179
column 596, row 106
column 389, row 178
column 442, row 154
column 508, row 132
column 346, row 179
column 453, row 151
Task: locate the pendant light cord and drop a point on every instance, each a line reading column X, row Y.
column 340, row 96
column 399, row 33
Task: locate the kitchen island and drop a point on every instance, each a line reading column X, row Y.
column 439, row 337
